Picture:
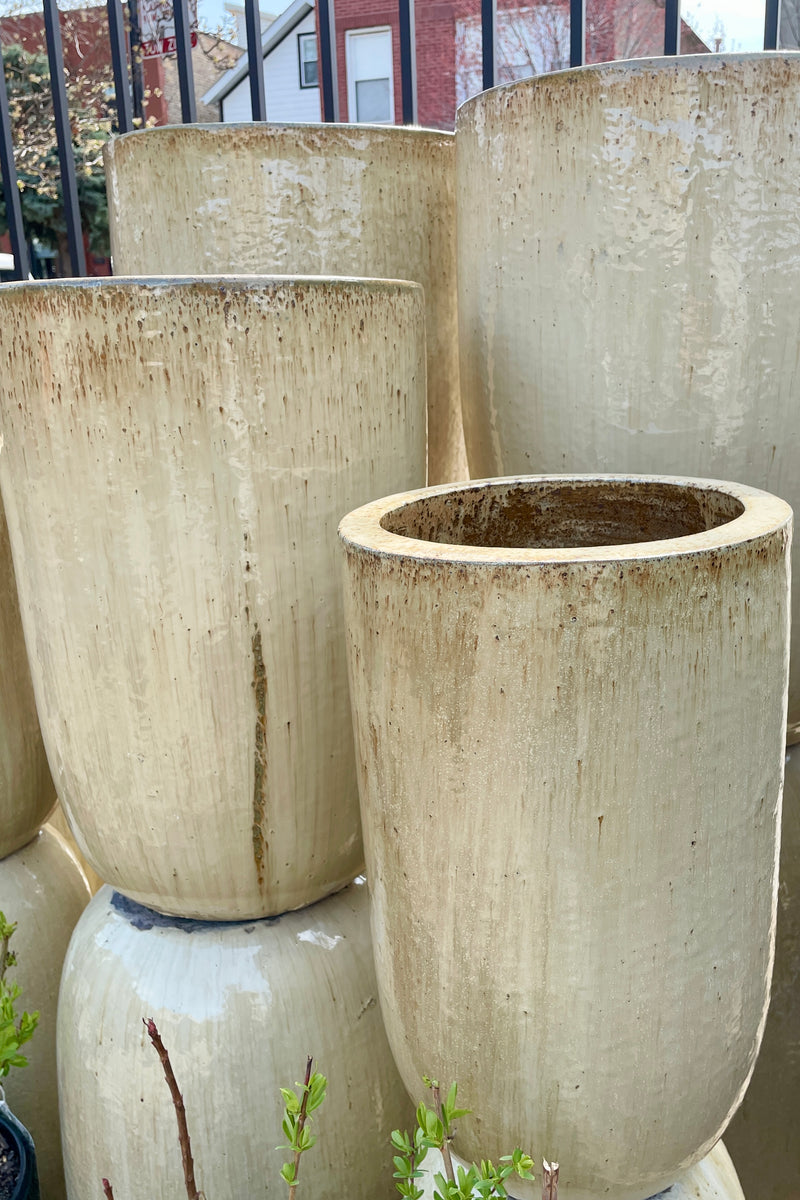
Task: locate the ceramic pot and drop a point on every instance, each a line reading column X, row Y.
column 239, row 1007
column 571, row 845
column 310, row 199
column 763, row 1135
column 20, row 1143
column 27, row 794
column 713, row 1178
column 628, row 275
column 184, row 608
column 43, row 890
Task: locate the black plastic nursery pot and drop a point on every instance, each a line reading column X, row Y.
column 19, row 1179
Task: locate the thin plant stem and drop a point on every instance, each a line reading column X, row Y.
column 301, row 1120
column 448, row 1162
column 180, row 1111
column 549, row 1180
column 108, row 1191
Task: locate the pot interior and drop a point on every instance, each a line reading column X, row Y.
column 551, row 514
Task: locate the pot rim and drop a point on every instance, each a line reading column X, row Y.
column 763, row 514
column 269, row 131
column 241, row 284
column 623, row 68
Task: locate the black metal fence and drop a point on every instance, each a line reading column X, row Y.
column 118, row 22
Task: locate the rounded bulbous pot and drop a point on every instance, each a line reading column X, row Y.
column 569, row 701
column 713, row 1178
column 763, row 1135
column 628, row 275
column 176, row 457
column 315, row 199
column 238, row 1006
column 43, row 891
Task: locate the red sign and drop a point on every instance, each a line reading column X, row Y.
column 165, row 45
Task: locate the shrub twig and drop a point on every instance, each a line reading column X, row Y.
column 180, row 1110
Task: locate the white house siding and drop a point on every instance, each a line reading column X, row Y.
column 286, row 100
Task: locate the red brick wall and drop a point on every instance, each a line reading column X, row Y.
column 609, row 23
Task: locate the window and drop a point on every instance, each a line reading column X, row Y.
column 370, row 93
column 309, row 66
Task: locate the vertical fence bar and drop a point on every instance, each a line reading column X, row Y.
column 137, row 70
column 66, row 158
column 119, row 63
column 489, row 42
column 8, row 172
column 672, row 26
column 255, row 60
column 577, row 33
column 408, row 62
column 772, row 21
column 183, row 47
column 327, row 50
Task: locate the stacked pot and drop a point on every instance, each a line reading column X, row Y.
column 628, row 283
column 42, row 888
column 176, row 457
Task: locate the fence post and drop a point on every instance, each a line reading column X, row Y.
column 672, row 26
column 489, row 42
column 183, row 47
column 577, row 33
column 66, row 157
column 408, row 62
column 255, row 60
column 19, row 246
column 119, row 63
column 772, row 21
column 327, row 49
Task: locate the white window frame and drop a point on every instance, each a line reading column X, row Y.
column 350, row 36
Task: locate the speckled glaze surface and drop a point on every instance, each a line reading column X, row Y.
column 629, row 274
column 176, row 456
column 27, row 794
column 239, row 1007
column 569, row 701
column 763, row 1136
column 713, row 1178
column 302, row 199
column 43, row 889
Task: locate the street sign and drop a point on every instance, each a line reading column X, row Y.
column 158, row 27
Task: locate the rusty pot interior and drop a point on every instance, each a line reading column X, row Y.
column 551, row 514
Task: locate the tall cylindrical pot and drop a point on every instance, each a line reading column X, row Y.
column 628, row 274
column 42, row 890
column 569, row 699
column 176, row 458
column 239, row 1007
column 763, row 1137
column 308, row 199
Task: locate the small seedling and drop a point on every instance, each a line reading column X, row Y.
column 435, row 1130
column 14, row 1031
column 297, row 1112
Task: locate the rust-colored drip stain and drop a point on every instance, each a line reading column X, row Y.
column 260, row 773
column 549, row 516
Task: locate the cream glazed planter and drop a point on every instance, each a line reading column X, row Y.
column 43, row 889
column 176, row 456
column 239, row 1006
column 569, row 699
column 309, row 199
column 628, row 274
